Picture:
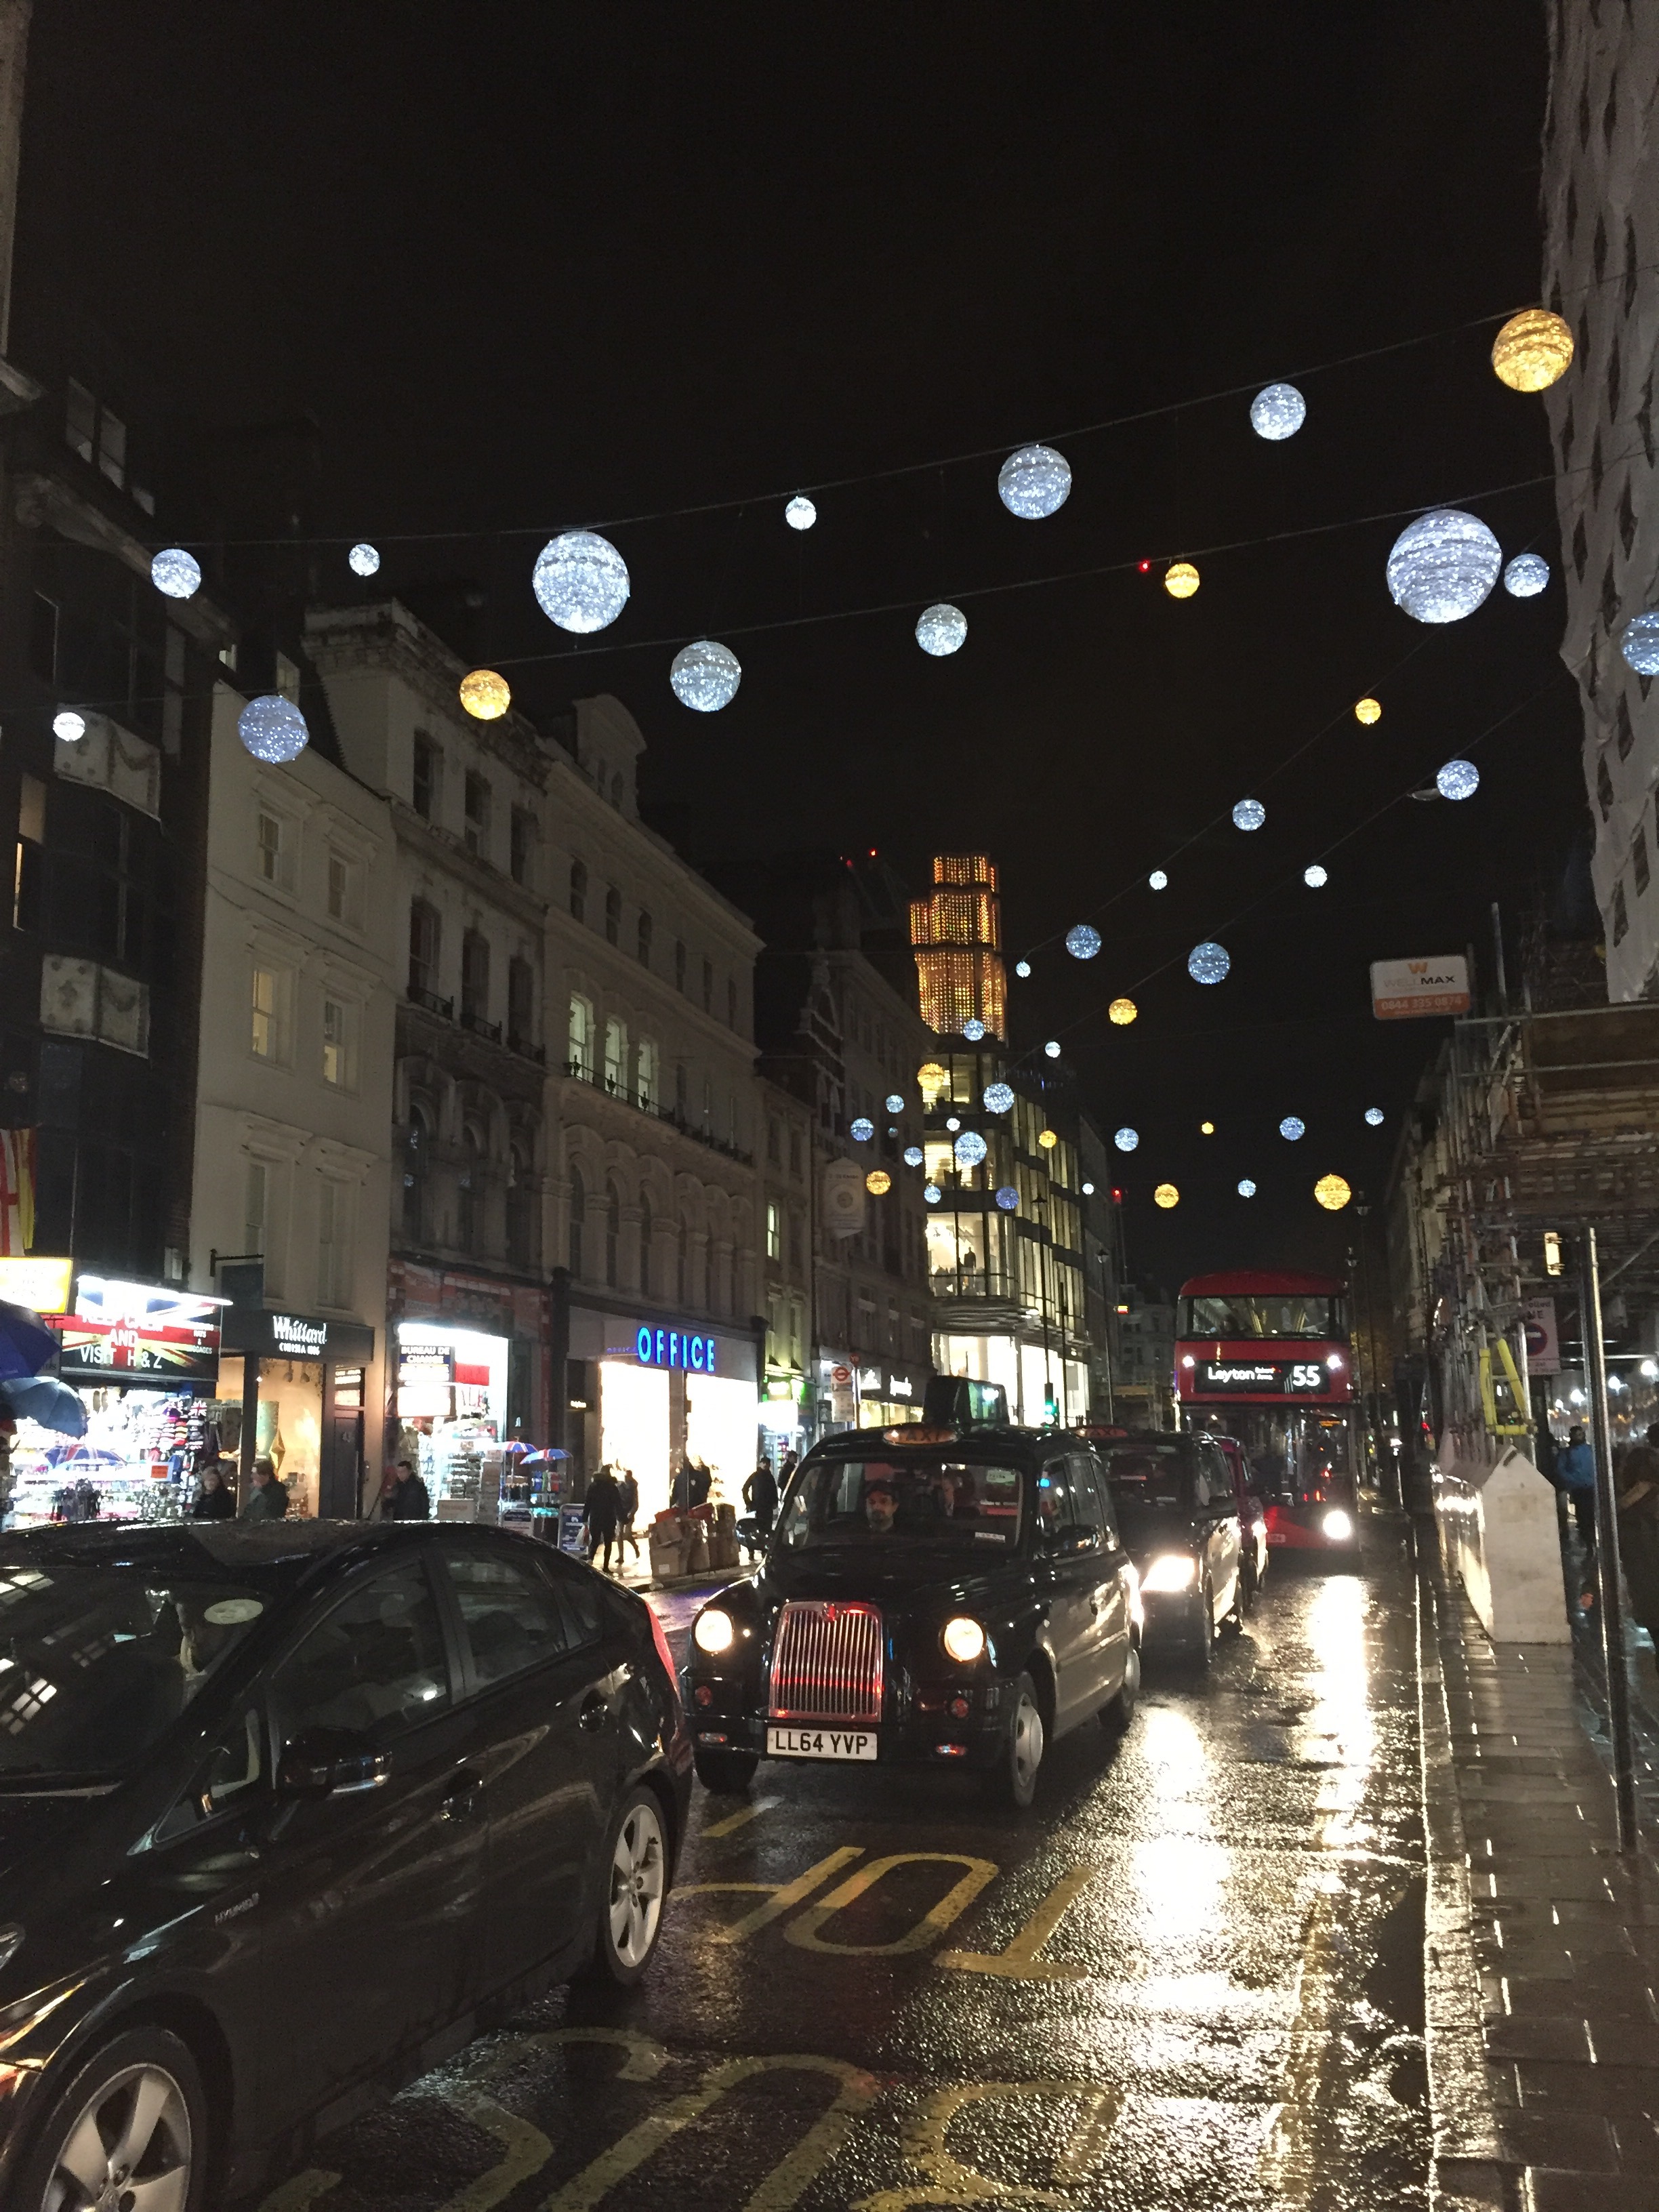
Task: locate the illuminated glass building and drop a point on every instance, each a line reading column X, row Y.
column 957, row 930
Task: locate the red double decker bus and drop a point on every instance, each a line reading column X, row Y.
column 1265, row 1357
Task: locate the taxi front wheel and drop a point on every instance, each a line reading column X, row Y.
column 1012, row 1780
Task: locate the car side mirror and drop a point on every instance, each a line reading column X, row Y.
column 329, row 1762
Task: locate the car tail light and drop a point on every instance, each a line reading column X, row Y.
column 663, row 1651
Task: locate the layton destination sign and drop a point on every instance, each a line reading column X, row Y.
column 1278, row 1379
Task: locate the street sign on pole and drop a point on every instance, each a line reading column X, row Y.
column 1403, row 990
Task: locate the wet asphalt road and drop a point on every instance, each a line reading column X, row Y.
column 1191, row 1977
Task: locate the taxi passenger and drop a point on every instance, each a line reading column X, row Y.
column 880, row 1505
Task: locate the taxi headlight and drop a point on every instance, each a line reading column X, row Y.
column 1176, row 1570
column 964, row 1640
column 714, row 1632
column 1338, row 1528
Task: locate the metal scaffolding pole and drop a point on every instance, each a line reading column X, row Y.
column 1610, row 1595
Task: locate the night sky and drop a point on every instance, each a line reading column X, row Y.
column 531, row 267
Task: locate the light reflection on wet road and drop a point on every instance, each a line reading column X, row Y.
column 1190, row 1977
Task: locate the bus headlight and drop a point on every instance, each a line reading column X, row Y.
column 714, row 1632
column 1337, row 1528
column 964, row 1640
column 1175, row 1571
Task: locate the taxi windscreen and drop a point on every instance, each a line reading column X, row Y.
column 1149, row 1479
column 911, row 1497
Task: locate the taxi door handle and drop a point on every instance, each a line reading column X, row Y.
column 593, row 1712
column 460, row 1801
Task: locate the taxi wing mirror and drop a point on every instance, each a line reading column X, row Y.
column 331, row 1762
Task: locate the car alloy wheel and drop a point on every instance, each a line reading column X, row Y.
column 1204, row 1649
column 1015, row 1775
column 638, row 1879
column 124, row 2140
column 1120, row 1710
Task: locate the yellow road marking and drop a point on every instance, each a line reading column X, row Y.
column 803, row 1929
column 781, row 1897
column 741, row 1817
column 949, row 2182
column 526, row 2149
column 1017, row 1961
column 300, row 2191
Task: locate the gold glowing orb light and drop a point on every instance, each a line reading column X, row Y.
column 485, row 696
column 1332, row 1192
column 1166, row 1194
column 1122, row 1011
column 931, row 1081
column 1206, row 1128
column 879, row 1183
column 1532, row 350
column 1180, row 580
column 1367, row 711
column 1047, row 1140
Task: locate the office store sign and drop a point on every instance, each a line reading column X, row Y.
column 671, row 1347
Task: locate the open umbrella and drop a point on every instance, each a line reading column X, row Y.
column 26, row 1344
column 42, row 1398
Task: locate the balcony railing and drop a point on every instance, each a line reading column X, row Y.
column 642, row 1103
column 432, row 1002
column 480, row 1027
column 525, row 1049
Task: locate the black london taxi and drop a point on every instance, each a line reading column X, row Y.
column 1176, row 1506
column 929, row 1597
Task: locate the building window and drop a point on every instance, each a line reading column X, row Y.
column 579, row 890
column 644, row 939
column 647, row 1230
column 428, row 767
column 647, row 1071
column 520, row 1005
column 415, row 1176
column 475, row 835
column 731, row 1002
column 774, row 1233
column 612, row 1232
column 795, row 1152
column 578, row 1219
column 334, row 1068
column 679, row 965
column 521, row 837
column 470, row 1191
column 339, row 888
column 474, row 979
column 270, row 847
column 616, row 1055
column 266, row 1033
column 520, row 1214
column 425, row 947
column 773, row 1141
column 708, row 987
column 613, row 916
column 579, row 1054
column 333, row 1244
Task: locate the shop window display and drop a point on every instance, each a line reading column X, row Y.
column 135, row 1463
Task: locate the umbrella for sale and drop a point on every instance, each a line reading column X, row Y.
column 26, row 1344
column 83, row 1458
column 42, row 1398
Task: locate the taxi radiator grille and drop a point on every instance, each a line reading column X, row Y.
column 827, row 1663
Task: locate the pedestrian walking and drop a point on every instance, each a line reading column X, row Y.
column 760, row 1495
column 601, row 1516
column 680, row 1495
column 405, row 1497
column 1637, row 1495
column 215, row 1500
column 627, row 1506
column 267, row 1500
column 1575, row 1471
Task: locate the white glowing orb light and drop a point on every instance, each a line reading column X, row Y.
column 580, row 582
column 941, row 630
column 913, row 1156
column 1208, row 963
column 705, row 676
column 953, row 1122
column 1247, row 1189
column 1127, row 1139
column 1526, row 576
column 895, row 1104
column 1459, row 779
column 969, row 1148
column 972, row 1029
column 1088, row 1190
column 1157, row 880
column 863, row 1130
column 1249, row 814
column 69, row 727
column 1640, row 643
column 1374, row 1117
column 1082, row 941
column 272, row 728
column 1034, row 482
column 1053, row 1048
column 1291, row 1128
column 932, row 1192
column 1277, row 412
column 1314, row 878
column 1008, row 1198
column 175, row 574
column 1443, row 565
column 998, row 1098
column 1022, row 968
column 363, row 561
column 800, row 514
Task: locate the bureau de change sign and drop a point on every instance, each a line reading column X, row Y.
column 1402, row 989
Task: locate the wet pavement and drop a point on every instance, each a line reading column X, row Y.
column 1191, row 1977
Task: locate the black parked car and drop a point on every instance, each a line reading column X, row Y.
column 940, row 1603
column 287, row 1812
column 1179, row 1512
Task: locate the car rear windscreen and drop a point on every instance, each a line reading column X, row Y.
column 1150, row 1476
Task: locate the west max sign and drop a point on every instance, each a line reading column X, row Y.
column 1402, row 989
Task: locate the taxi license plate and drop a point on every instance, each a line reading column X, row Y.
column 820, row 1743
column 1274, row 1537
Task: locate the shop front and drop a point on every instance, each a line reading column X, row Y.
column 646, row 1389
column 889, row 1393
column 291, row 1390
column 143, row 1360
column 452, row 1414
column 783, row 1417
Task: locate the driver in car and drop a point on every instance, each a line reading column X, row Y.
column 880, row 1505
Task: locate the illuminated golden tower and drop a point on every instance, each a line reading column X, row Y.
column 957, row 932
